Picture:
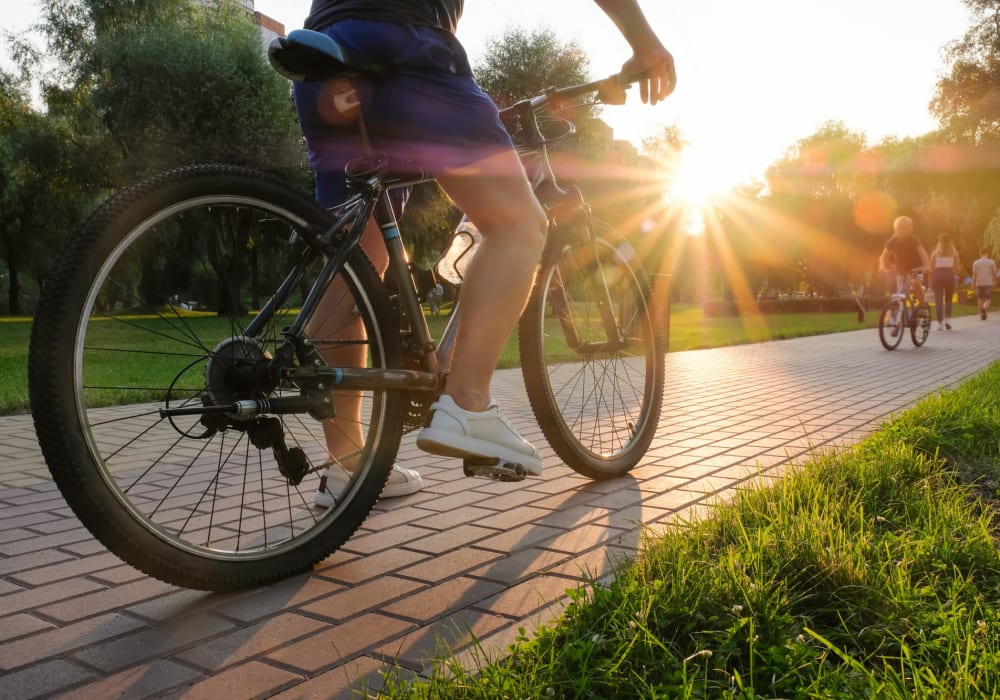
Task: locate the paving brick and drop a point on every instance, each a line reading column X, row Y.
column 452, row 538
column 358, row 678
column 366, row 568
column 248, row 643
column 519, row 565
column 63, row 640
column 330, row 647
column 143, row 681
column 106, row 599
column 449, row 564
column 384, row 539
column 437, row 600
column 13, row 565
column 284, row 595
column 527, row 597
column 42, row 679
column 505, row 520
column 519, row 538
column 123, row 573
column 14, row 626
column 249, row 680
column 15, row 534
column 381, row 520
column 454, row 518
column 585, row 537
column 152, row 643
column 457, row 500
column 441, row 639
column 42, row 595
column 366, row 596
column 67, row 569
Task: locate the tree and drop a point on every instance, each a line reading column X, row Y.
column 967, row 101
column 44, row 171
column 140, row 86
column 521, row 63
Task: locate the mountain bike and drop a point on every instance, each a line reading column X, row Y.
column 906, row 308
column 185, row 374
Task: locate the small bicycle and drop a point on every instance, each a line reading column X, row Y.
column 186, row 377
column 906, row 308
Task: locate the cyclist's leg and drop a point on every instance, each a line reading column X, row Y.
column 496, row 195
column 500, row 276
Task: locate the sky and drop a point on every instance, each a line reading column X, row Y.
column 753, row 77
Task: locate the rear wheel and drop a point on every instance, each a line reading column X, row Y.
column 592, row 355
column 166, row 299
column 890, row 324
column 921, row 326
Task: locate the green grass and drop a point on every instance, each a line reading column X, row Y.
column 872, row 574
column 689, row 330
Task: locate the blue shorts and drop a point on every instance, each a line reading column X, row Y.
column 430, row 111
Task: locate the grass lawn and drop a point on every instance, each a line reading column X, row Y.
column 689, row 330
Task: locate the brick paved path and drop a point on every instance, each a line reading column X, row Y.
column 462, row 556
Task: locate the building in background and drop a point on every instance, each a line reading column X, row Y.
column 269, row 28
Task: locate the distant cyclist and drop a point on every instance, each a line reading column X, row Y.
column 430, row 111
column 903, row 253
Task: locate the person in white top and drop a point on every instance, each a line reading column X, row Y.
column 984, row 276
column 945, row 264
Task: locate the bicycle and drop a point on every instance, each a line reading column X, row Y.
column 189, row 442
column 906, row 308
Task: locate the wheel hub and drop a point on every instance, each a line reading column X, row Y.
column 238, row 369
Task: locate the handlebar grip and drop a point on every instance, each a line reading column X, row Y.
column 612, row 91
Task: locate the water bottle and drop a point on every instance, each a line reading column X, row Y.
column 452, row 264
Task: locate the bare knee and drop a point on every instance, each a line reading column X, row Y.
column 524, row 228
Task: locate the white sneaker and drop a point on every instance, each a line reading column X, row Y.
column 401, row 482
column 455, row 432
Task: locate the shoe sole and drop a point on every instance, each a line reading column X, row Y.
column 448, row 444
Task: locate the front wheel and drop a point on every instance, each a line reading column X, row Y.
column 890, row 324
column 592, row 355
column 167, row 306
column 921, row 326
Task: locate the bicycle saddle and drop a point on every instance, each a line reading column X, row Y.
column 305, row 55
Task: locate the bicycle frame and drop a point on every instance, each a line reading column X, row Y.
column 371, row 182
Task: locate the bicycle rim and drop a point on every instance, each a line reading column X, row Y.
column 921, row 327
column 890, row 325
column 597, row 400
column 149, row 313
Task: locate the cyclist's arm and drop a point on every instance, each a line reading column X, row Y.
column 926, row 261
column 649, row 57
column 883, row 261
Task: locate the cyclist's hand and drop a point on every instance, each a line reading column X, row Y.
column 654, row 71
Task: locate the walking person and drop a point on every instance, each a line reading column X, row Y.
column 434, row 298
column 945, row 265
column 984, row 276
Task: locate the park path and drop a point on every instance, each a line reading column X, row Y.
column 461, row 557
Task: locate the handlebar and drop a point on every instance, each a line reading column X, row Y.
column 609, row 90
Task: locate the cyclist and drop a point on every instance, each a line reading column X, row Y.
column 430, row 111
column 903, row 252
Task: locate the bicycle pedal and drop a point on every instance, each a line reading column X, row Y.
column 495, row 469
